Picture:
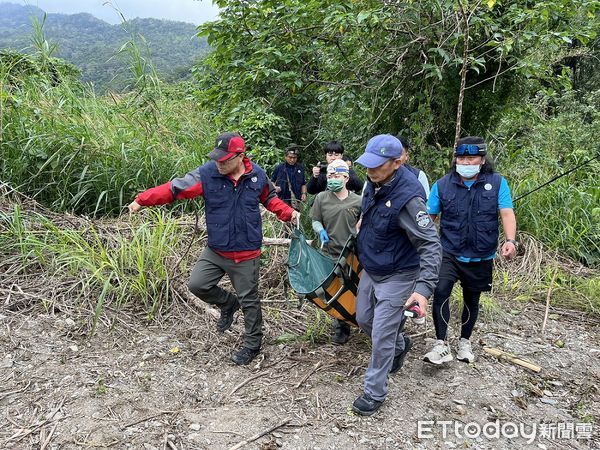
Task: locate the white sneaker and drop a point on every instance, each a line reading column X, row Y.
column 464, row 351
column 419, row 320
column 439, row 354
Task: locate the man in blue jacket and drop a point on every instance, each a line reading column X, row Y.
column 400, row 252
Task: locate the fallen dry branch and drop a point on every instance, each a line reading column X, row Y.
column 548, row 297
column 500, row 354
column 245, row 382
column 313, row 370
column 26, row 431
column 143, row 419
column 49, row 438
column 261, row 434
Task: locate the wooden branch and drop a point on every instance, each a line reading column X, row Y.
column 245, row 382
column 548, row 300
column 259, row 435
column 47, row 440
column 313, row 370
column 276, row 241
column 500, row 354
column 143, row 419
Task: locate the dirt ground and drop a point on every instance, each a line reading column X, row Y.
column 170, row 384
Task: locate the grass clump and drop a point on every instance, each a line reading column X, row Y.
column 541, row 140
column 132, row 266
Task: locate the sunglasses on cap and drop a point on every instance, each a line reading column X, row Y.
column 470, row 149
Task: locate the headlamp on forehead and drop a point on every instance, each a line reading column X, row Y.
column 341, row 170
column 470, row 149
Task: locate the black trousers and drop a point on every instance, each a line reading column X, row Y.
column 475, row 277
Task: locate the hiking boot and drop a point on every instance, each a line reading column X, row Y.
column 244, row 356
column 227, row 313
column 439, row 354
column 365, row 405
column 342, row 333
column 464, row 351
column 399, row 358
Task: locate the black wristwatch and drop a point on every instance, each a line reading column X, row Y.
column 513, row 242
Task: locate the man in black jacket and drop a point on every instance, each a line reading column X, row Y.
column 318, row 181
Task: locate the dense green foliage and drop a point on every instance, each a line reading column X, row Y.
column 533, row 146
column 93, row 45
column 350, row 69
column 312, row 71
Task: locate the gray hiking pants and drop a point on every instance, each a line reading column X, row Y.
column 379, row 314
column 207, row 273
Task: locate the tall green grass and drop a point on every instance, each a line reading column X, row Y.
column 72, row 150
column 533, row 146
column 128, row 267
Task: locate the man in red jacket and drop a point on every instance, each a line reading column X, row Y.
column 232, row 187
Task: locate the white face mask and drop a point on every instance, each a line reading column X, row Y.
column 468, row 170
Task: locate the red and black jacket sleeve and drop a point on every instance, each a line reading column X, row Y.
column 189, row 186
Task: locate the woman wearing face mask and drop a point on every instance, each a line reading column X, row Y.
column 335, row 213
column 468, row 199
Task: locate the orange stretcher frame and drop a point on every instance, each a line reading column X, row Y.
column 337, row 293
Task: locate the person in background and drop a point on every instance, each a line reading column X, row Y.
column 347, row 160
column 468, row 198
column 400, row 252
column 334, row 214
column 233, row 187
column 318, row 181
column 289, row 179
column 421, row 176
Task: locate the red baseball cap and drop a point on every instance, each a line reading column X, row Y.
column 227, row 146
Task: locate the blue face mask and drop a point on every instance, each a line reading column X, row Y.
column 468, row 171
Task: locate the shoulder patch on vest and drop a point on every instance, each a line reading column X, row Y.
column 254, row 179
column 487, row 187
column 422, row 219
column 388, row 204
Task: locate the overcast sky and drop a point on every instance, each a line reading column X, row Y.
column 193, row 11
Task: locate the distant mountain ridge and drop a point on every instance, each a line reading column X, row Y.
column 91, row 44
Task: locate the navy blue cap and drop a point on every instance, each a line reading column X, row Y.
column 380, row 149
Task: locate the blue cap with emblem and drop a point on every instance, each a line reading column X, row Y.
column 380, row 149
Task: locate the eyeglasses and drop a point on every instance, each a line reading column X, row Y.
column 230, row 159
column 470, row 149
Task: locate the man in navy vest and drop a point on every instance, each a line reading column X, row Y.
column 400, row 252
column 289, row 180
column 468, row 198
column 233, row 188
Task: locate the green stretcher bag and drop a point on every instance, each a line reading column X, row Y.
column 328, row 284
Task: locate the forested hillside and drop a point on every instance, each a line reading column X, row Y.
column 93, row 45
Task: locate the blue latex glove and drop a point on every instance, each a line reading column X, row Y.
column 323, row 236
